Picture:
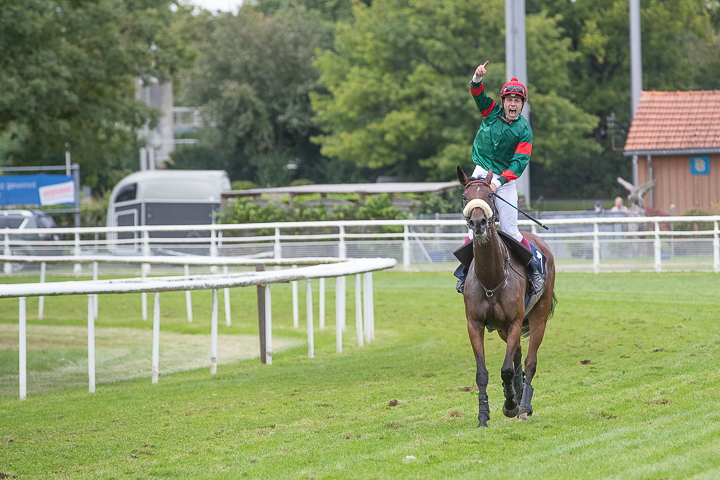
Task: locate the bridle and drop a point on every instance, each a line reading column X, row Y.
column 494, row 217
column 489, row 293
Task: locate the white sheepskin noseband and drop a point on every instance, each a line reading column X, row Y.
column 477, row 203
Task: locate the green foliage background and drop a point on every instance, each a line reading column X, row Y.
column 335, row 90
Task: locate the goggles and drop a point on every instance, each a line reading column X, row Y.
column 513, row 89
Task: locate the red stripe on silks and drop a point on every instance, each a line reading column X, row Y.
column 524, row 147
column 486, row 112
column 476, row 91
column 509, row 175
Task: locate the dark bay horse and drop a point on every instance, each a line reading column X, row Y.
column 494, row 299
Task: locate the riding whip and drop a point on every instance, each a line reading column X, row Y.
column 516, row 208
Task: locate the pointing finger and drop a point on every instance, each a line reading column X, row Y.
column 485, row 64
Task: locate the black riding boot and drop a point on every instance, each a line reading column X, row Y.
column 461, row 274
column 535, row 279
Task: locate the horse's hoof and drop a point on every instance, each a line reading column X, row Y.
column 483, row 424
column 511, row 413
column 522, row 417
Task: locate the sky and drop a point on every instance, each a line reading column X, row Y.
column 224, row 5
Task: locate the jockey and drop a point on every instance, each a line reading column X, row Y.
column 503, row 143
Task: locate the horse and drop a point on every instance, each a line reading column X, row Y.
column 494, row 299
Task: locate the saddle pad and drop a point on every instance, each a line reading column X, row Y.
column 520, row 250
column 541, row 262
column 464, row 254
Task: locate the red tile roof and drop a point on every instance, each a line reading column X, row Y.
column 676, row 121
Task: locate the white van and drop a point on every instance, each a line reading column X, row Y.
column 167, row 197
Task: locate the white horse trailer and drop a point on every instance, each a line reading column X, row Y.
column 165, row 197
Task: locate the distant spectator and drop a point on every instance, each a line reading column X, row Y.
column 619, row 207
column 598, row 207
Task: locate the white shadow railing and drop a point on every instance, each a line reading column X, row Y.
column 365, row 324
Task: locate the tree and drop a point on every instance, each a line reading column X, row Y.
column 397, row 84
column 68, row 74
column 252, row 80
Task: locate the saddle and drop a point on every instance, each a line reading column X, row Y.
column 465, row 253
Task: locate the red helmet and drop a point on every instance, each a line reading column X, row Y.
column 514, row 87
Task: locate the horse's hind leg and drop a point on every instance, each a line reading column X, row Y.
column 537, row 331
column 476, row 333
column 511, row 366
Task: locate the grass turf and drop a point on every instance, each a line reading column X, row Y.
column 644, row 406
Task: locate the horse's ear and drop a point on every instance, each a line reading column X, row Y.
column 489, row 176
column 461, row 176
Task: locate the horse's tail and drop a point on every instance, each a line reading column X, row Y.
column 525, row 329
column 552, row 307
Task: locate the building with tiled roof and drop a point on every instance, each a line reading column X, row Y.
column 674, row 138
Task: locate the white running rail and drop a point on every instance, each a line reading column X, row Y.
column 92, row 288
column 586, row 243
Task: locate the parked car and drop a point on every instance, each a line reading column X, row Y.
column 26, row 219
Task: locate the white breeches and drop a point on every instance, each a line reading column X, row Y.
column 508, row 215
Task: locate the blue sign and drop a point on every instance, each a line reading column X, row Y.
column 700, row 165
column 40, row 189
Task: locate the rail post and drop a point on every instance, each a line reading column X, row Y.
column 596, row 249
column 188, row 297
column 143, row 295
column 406, row 247
column 260, row 267
column 78, row 267
column 227, row 299
column 296, row 309
column 369, row 304
column 321, row 304
column 22, row 350
column 213, row 249
column 358, row 310
column 658, row 250
column 214, row 333
column 342, row 246
column 716, row 248
column 268, row 326
column 7, row 268
column 277, row 249
column 310, row 327
column 41, row 298
column 339, row 311
column 95, row 299
column 146, row 253
column 91, row 343
column 366, row 308
column 156, row 340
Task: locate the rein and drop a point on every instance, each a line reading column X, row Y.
column 489, row 292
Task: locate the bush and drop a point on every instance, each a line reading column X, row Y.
column 694, row 226
column 448, row 201
column 243, row 210
column 243, row 185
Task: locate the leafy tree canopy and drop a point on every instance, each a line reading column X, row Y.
column 398, row 95
column 68, row 77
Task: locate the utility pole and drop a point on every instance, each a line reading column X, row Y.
column 516, row 66
column 635, row 70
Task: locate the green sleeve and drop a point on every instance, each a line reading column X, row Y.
column 520, row 158
column 484, row 103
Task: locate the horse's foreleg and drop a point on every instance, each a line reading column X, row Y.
column 536, row 336
column 513, row 357
column 476, row 333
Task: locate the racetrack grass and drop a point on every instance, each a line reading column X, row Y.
column 645, row 405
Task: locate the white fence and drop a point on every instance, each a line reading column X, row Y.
column 591, row 244
column 92, row 288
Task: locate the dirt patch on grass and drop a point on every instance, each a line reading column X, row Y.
column 57, row 356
